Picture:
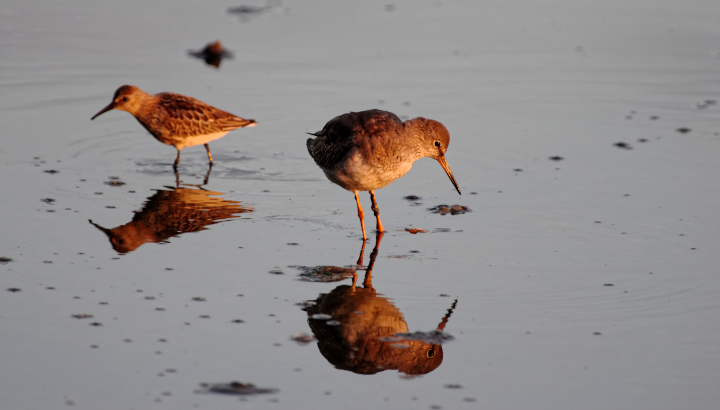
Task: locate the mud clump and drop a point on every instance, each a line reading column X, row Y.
column 324, row 273
column 447, row 209
column 415, row 230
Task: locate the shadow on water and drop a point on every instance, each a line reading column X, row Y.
column 171, row 212
column 361, row 331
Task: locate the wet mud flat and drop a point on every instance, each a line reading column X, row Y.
column 577, row 269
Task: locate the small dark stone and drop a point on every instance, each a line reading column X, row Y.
column 623, row 145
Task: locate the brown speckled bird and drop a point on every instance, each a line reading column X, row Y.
column 175, row 119
column 364, row 151
column 171, row 212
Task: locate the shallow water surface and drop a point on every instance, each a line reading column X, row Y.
column 583, row 274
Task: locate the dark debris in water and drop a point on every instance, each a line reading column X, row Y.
column 556, row 158
column 82, row 316
column 13, row 290
column 48, row 201
column 114, row 183
column 324, row 273
column 4, row 260
column 623, row 145
column 233, row 388
column 683, row 130
column 51, row 171
column 435, row 337
column 447, row 209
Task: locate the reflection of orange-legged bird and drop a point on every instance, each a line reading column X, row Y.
column 175, row 119
column 364, row 151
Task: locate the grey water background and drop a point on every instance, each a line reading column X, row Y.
column 537, row 324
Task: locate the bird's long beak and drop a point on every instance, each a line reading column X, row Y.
column 104, row 110
column 449, row 173
column 107, row 231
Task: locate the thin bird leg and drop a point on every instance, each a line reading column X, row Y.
column 362, row 252
column 376, row 210
column 361, row 215
column 177, row 160
column 367, row 282
column 207, row 147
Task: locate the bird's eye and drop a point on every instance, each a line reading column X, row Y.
column 431, row 353
column 124, row 98
column 437, row 143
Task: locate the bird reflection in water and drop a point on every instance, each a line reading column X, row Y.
column 361, row 336
column 171, row 212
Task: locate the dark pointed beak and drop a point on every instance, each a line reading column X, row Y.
column 104, row 110
column 449, row 173
column 105, row 230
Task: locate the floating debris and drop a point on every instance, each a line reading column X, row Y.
column 51, row 171
column 435, row 337
column 683, row 130
column 276, row 271
column 199, row 299
column 453, row 386
column 13, row 290
column 415, row 230
column 324, row 273
column 623, row 145
column 82, row 316
column 302, row 338
column 706, row 104
column 4, row 260
column 556, row 158
column 412, row 198
column 233, row 388
column 452, row 210
column 114, row 183
column 48, row 201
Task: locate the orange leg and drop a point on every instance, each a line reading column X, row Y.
column 207, row 147
column 361, row 215
column 367, row 282
column 376, row 210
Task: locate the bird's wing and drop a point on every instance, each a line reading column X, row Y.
column 186, row 116
column 344, row 132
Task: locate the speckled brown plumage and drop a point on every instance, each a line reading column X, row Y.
column 175, row 119
column 169, row 213
column 367, row 150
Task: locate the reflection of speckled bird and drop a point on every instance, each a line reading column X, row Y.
column 169, row 213
column 364, row 151
column 175, row 119
column 365, row 318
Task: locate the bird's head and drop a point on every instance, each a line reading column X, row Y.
column 436, row 139
column 127, row 98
